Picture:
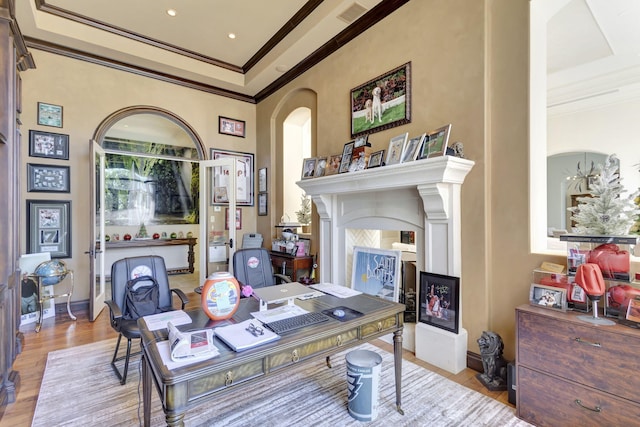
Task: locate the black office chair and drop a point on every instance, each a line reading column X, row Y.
column 253, row 267
column 121, row 272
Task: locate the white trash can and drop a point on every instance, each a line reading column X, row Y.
column 363, row 381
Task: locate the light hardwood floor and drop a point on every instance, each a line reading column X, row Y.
column 62, row 332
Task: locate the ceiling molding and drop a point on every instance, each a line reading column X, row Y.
column 375, row 15
column 145, row 72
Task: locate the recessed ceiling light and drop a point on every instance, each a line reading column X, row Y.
column 171, row 12
column 231, row 35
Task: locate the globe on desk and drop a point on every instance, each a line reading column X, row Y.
column 51, row 272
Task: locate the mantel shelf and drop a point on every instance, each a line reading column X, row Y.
column 445, row 169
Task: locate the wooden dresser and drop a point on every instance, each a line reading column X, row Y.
column 572, row 373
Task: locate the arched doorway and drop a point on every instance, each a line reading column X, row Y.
column 145, row 173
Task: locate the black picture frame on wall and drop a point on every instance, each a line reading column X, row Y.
column 49, row 227
column 48, row 178
column 440, row 301
column 244, row 178
column 48, row 145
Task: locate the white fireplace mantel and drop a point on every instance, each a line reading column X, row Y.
column 423, row 195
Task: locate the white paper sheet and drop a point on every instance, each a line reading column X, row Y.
column 159, row 321
column 335, row 290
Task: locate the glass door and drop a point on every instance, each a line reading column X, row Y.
column 217, row 221
column 97, row 246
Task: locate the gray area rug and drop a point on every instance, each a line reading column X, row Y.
column 80, row 389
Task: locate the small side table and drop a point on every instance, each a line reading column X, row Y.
column 42, row 298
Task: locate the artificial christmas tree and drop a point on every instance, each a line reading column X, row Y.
column 606, row 212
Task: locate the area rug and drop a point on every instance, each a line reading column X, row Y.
column 79, row 388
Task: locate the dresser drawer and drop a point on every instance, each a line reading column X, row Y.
column 591, row 355
column 296, row 354
column 545, row 400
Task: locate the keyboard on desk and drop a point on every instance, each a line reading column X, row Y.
column 297, row 322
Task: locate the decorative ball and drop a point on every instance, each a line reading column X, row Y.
column 51, row 272
column 174, row 235
column 220, row 295
column 107, row 238
column 190, row 234
column 127, row 236
column 156, row 236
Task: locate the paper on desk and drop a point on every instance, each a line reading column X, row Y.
column 239, row 337
column 283, row 312
column 159, row 321
column 164, row 350
column 335, row 290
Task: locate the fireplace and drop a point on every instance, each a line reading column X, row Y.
column 422, row 196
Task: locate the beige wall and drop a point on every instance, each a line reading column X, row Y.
column 470, row 68
column 88, row 94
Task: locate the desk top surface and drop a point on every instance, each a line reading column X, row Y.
column 373, row 309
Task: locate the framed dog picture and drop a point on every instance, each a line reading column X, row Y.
column 382, row 103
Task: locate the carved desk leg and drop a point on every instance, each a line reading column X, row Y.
column 146, row 390
column 397, row 359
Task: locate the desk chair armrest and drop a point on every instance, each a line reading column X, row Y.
column 182, row 296
column 282, row 278
column 114, row 310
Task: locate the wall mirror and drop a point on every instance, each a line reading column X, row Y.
column 151, row 173
column 584, row 87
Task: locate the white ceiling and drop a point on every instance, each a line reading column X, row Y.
column 194, row 44
column 593, row 52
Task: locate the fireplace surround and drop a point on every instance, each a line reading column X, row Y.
column 421, row 196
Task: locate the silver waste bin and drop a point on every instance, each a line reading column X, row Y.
column 363, row 380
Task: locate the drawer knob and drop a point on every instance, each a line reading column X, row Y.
column 339, row 340
column 228, row 378
column 379, row 326
column 294, row 356
column 596, row 409
column 581, row 341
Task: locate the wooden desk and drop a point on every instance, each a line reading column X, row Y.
column 143, row 243
column 189, row 386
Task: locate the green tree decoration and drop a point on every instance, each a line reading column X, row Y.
column 605, row 212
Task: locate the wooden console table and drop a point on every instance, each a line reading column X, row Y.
column 292, row 266
column 143, row 243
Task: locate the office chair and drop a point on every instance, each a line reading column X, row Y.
column 253, row 267
column 121, row 272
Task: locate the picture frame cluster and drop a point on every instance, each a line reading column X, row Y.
column 49, row 220
column 358, row 154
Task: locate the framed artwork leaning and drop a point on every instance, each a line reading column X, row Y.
column 377, row 272
column 396, row 148
column 440, row 301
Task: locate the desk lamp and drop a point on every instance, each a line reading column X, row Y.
column 589, row 277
